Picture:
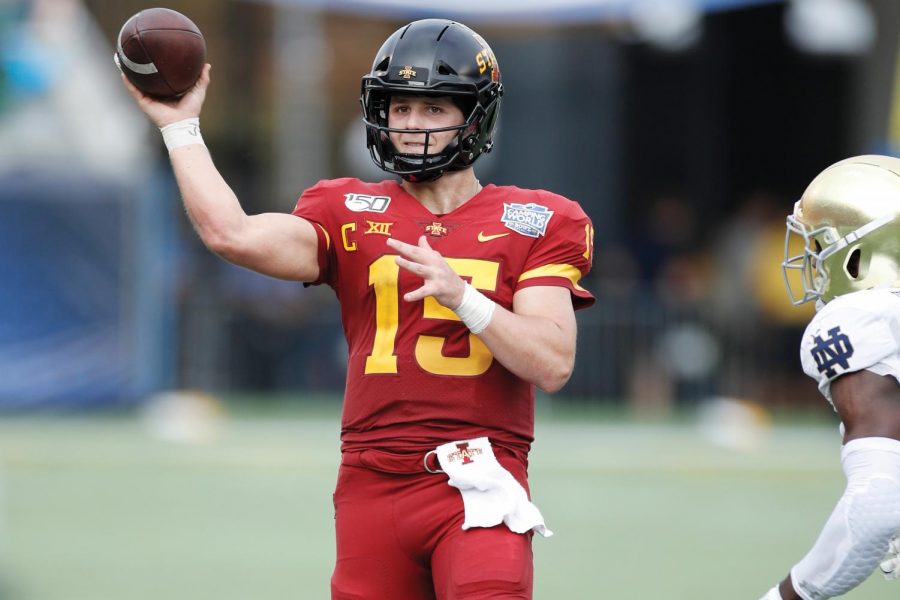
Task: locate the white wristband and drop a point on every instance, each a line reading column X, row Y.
column 773, row 594
column 475, row 310
column 182, row 133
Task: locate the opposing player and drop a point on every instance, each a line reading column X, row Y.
column 457, row 299
column 849, row 220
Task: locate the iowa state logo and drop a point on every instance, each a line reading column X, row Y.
column 464, row 453
column 528, row 219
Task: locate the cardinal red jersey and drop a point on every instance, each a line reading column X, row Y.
column 416, row 376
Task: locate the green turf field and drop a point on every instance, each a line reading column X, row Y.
column 96, row 509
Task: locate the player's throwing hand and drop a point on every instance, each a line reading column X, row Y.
column 166, row 112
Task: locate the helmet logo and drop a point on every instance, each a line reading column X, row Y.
column 484, row 61
column 407, row 72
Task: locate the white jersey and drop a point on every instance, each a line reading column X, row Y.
column 855, row 332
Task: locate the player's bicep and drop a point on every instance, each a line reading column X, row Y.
column 279, row 245
column 548, row 302
column 868, row 404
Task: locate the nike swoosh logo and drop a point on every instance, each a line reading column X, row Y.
column 487, row 238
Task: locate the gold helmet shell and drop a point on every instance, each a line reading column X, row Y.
column 849, row 222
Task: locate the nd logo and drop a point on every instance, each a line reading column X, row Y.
column 833, row 351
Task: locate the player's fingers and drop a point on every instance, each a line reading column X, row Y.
column 425, row 248
column 136, row 93
column 204, row 79
column 416, row 295
column 197, row 95
column 891, row 568
column 401, row 247
column 408, row 250
column 145, row 102
column 412, row 267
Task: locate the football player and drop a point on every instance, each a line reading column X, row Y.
column 457, row 298
column 849, row 221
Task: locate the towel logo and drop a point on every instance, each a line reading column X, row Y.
column 464, row 453
column 528, row 219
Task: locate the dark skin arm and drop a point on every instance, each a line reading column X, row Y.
column 869, row 406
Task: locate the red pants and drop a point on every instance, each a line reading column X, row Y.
column 400, row 537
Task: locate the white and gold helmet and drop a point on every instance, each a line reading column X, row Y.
column 849, row 222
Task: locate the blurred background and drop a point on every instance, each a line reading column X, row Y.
column 685, row 128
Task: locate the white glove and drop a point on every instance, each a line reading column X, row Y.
column 772, row 594
column 890, row 566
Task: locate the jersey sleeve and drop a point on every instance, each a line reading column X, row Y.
column 314, row 206
column 848, row 336
column 563, row 255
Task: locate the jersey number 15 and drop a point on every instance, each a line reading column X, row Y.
column 384, row 276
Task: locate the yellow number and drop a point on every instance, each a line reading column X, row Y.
column 589, row 242
column 429, row 349
column 383, row 275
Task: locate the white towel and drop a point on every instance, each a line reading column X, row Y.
column 491, row 495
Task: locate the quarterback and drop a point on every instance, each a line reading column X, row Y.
column 457, row 299
column 849, row 220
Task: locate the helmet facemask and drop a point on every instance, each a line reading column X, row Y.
column 829, row 265
column 459, row 153
column 433, row 57
column 808, row 265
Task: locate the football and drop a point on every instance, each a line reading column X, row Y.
column 161, row 52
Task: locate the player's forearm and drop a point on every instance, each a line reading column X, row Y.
column 823, row 573
column 212, row 206
column 856, row 536
column 534, row 348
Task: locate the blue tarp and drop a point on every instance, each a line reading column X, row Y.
column 74, row 328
